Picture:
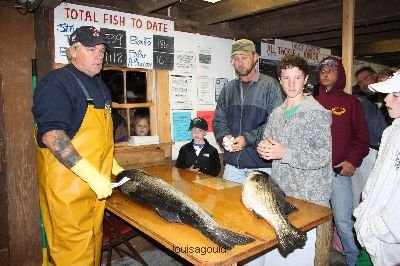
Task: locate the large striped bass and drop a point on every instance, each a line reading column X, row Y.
column 262, row 195
column 175, row 206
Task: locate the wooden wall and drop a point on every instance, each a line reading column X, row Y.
column 4, row 237
column 20, row 238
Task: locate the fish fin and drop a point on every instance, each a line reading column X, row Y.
column 169, row 216
column 289, row 208
column 226, row 238
column 290, row 238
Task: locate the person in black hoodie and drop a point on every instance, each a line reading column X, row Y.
column 199, row 155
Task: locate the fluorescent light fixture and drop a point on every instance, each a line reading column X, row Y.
column 212, row 1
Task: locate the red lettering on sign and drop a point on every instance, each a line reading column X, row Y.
column 271, row 49
column 136, row 23
column 114, row 19
column 80, row 14
column 156, row 26
column 311, row 55
column 285, row 51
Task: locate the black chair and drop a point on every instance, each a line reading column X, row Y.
column 115, row 233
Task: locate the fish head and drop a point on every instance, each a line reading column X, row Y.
column 120, row 176
column 257, row 176
column 132, row 174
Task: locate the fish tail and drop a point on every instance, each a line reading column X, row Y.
column 290, row 238
column 227, row 239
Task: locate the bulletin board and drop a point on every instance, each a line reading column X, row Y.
column 202, row 67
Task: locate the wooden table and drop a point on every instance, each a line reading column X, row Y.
column 225, row 206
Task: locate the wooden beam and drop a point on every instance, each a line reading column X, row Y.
column 138, row 7
column 50, row 3
column 153, row 5
column 287, row 23
column 379, row 47
column 230, row 9
column 23, row 219
column 228, row 30
column 348, row 42
column 282, row 24
column 362, row 34
column 115, row 5
column 163, row 114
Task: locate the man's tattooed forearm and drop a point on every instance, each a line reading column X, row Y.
column 60, row 145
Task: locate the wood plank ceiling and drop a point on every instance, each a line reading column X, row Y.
column 313, row 22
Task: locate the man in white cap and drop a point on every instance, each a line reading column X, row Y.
column 378, row 215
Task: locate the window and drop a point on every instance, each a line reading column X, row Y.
column 133, row 104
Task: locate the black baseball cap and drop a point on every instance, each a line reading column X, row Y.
column 199, row 123
column 88, row 36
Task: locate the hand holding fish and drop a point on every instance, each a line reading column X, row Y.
column 270, row 149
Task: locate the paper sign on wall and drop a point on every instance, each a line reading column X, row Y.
column 276, row 49
column 205, row 90
column 180, row 125
column 130, row 36
column 181, row 92
column 208, row 116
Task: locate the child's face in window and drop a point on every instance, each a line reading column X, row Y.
column 142, row 127
column 198, row 135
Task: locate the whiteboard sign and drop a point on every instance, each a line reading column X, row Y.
column 140, row 50
column 129, row 36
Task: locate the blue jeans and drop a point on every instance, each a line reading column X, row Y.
column 237, row 175
column 342, row 207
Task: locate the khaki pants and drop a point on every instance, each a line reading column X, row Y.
column 323, row 243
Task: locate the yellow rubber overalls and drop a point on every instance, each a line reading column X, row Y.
column 72, row 214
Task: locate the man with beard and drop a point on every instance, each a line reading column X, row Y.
column 242, row 111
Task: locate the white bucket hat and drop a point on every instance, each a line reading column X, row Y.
column 390, row 85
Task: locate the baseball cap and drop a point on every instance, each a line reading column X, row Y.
column 328, row 61
column 199, row 123
column 88, row 36
column 390, row 85
column 243, row 46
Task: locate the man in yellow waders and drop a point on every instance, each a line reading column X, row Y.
column 75, row 151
